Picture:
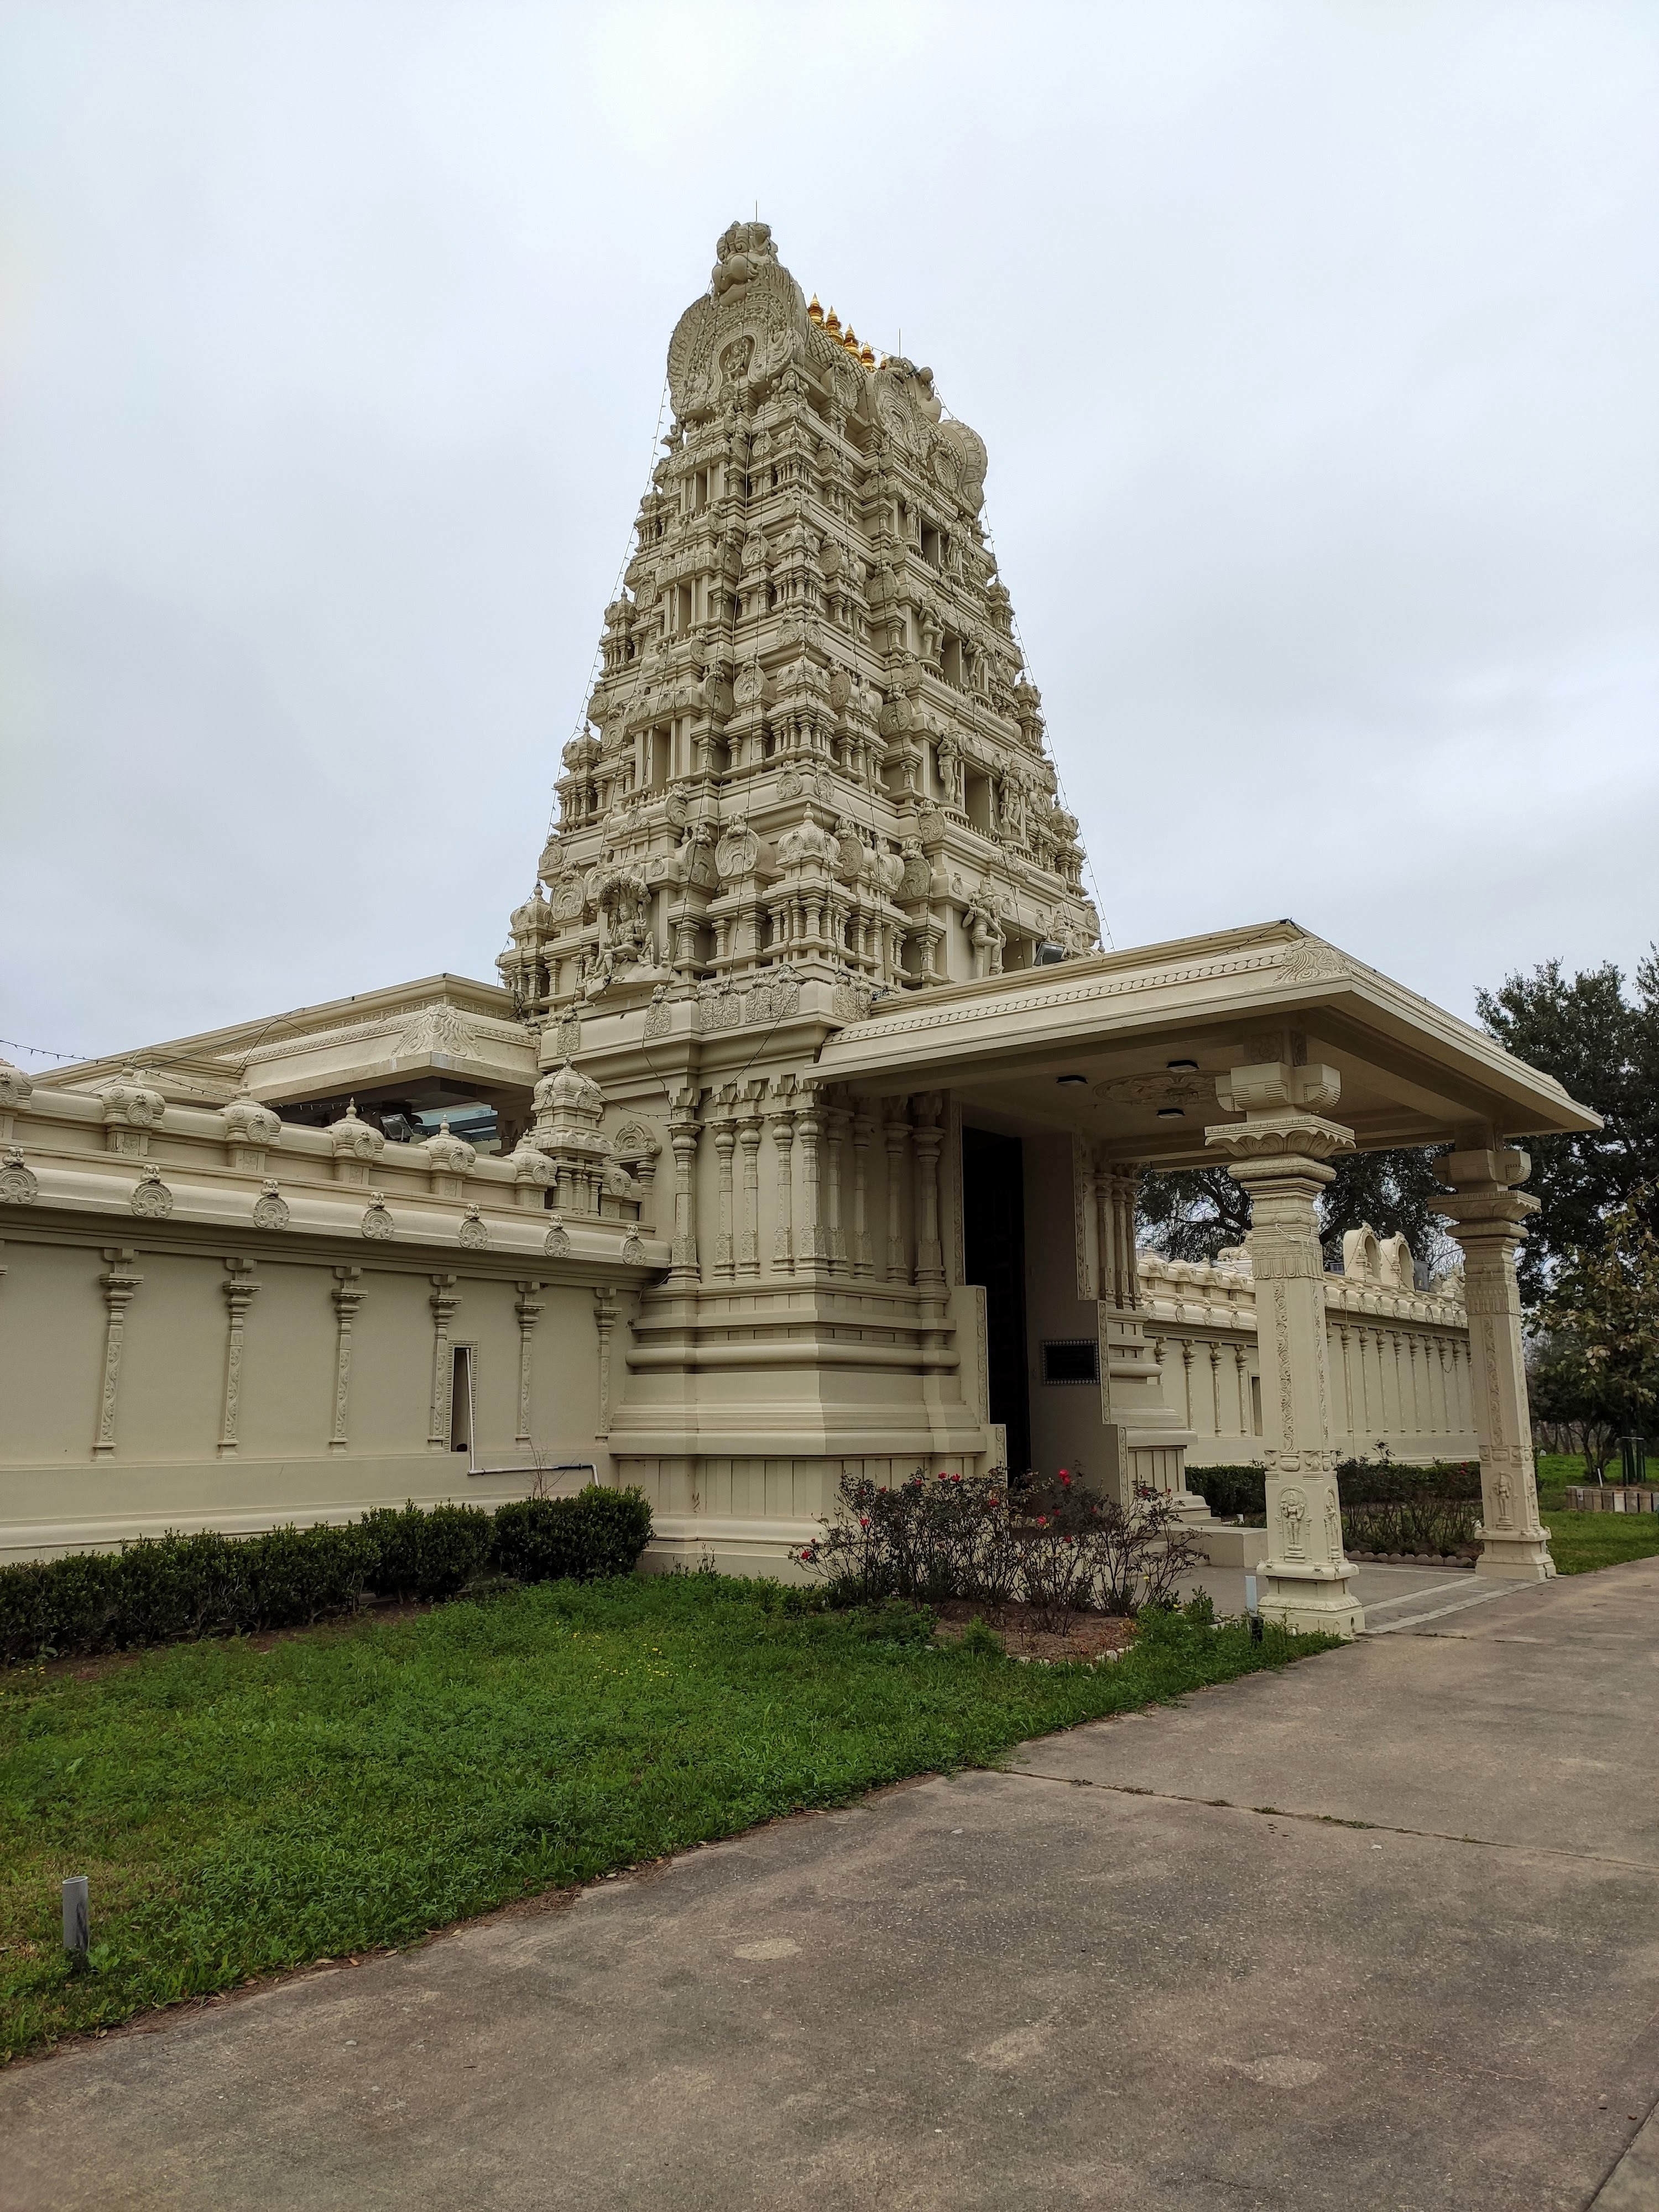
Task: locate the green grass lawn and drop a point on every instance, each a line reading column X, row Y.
column 239, row 1810
column 1580, row 1542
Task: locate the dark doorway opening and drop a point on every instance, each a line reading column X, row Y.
column 993, row 1240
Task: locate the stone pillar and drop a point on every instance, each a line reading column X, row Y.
column 118, row 1282
column 837, row 1119
column 238, row 1295
column 749, row 1136
column 684, row 1127
column 528, row 1307
column 1278, row 1154
column 863, row 1127
column 927, row 1141
column 347, row 1299
column 898, row 1136
column 1486, row 1211
column 782, row 1119
column 444, row 1303
column 725, row 1143
column 605, row 1322
column 812, row 1255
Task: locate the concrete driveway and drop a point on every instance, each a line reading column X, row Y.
column 1380, row 1933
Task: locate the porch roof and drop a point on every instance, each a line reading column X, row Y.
column 1411, row 1073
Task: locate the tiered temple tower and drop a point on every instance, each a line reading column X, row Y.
column 813, row 753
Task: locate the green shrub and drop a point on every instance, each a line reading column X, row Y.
column 1389, row 1482
column 598, row 1532
column 1228, row 1491
column 175, row 1589
column 427, row 1554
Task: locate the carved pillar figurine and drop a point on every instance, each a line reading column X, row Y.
column 1486, row 1211
column 528, row 1307
column 118, row 1282
column 238, row 1295
column 1278, row 1155
column 444, row 1302
column 347, row 1299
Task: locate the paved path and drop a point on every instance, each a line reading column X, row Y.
column 1108, row 1978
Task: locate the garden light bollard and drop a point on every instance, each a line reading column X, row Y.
column 77, row 1919
column 1252, row 1610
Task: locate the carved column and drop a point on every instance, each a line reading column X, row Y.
column 783, row 1120
column 347, row 1299
column 927, row 1140
column 898, row 1132
column 725, row 1142
column 528, row 1307
column 238, row 1295
column 839, row 1119
column 1486, row 1211
column 1278, row 1155
column 749, row 1136
column 863, row 1127
column 118, row 1282
column 444, row 1302
column 684, row 1127
column 605, row 1322
column 812, row 1255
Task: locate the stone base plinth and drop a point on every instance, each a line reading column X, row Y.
column 1515, row 1558
column 1313, row 1600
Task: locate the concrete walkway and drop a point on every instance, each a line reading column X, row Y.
column 1113, row 1976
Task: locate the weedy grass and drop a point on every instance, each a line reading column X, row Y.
column 240, row 1810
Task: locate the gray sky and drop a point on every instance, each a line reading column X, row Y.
column 1314, row 345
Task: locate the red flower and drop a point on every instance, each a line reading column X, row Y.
column 864, row 1520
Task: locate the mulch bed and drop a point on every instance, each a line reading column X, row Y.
column 1085, row 1635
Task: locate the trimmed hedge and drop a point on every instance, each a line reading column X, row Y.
column 1230, row 1490
column 172, row 1589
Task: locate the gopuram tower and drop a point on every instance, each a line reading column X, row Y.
column 811, row 776
column 814, row 762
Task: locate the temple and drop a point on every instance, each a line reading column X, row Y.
column 803, row 1131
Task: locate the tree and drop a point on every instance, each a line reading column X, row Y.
column 1569, row 1397
column 1602, row 1047
column 1601, row 1311
column 1191, row 1214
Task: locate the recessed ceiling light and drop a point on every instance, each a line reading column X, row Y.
column 1071, row 1079
column 1170, row 1114
column 1182, row 1066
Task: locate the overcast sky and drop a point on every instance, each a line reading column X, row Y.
column 1314, row 348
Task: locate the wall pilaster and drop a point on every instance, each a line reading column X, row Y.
column 238, row 1291
column 348, row 1296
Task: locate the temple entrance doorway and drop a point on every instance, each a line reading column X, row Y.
column 993, row 1251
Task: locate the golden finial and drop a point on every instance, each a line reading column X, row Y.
column 815, row 313
column 832, row 323
column 851, row 340
column 867, row 355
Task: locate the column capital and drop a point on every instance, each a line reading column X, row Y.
column 1289, row 1143
column 1482, row 1200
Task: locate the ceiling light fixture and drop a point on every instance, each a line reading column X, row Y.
column 1182, row 1066
column 1171, row 1114
column 1067, row 1079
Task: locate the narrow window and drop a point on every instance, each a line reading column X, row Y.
column 1071, row 1359
column 460, row 1400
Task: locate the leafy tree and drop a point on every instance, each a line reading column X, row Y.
column 1191, row 1215
column 1570, row 1396
column 1601, row 1309
column 1602, row 1047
